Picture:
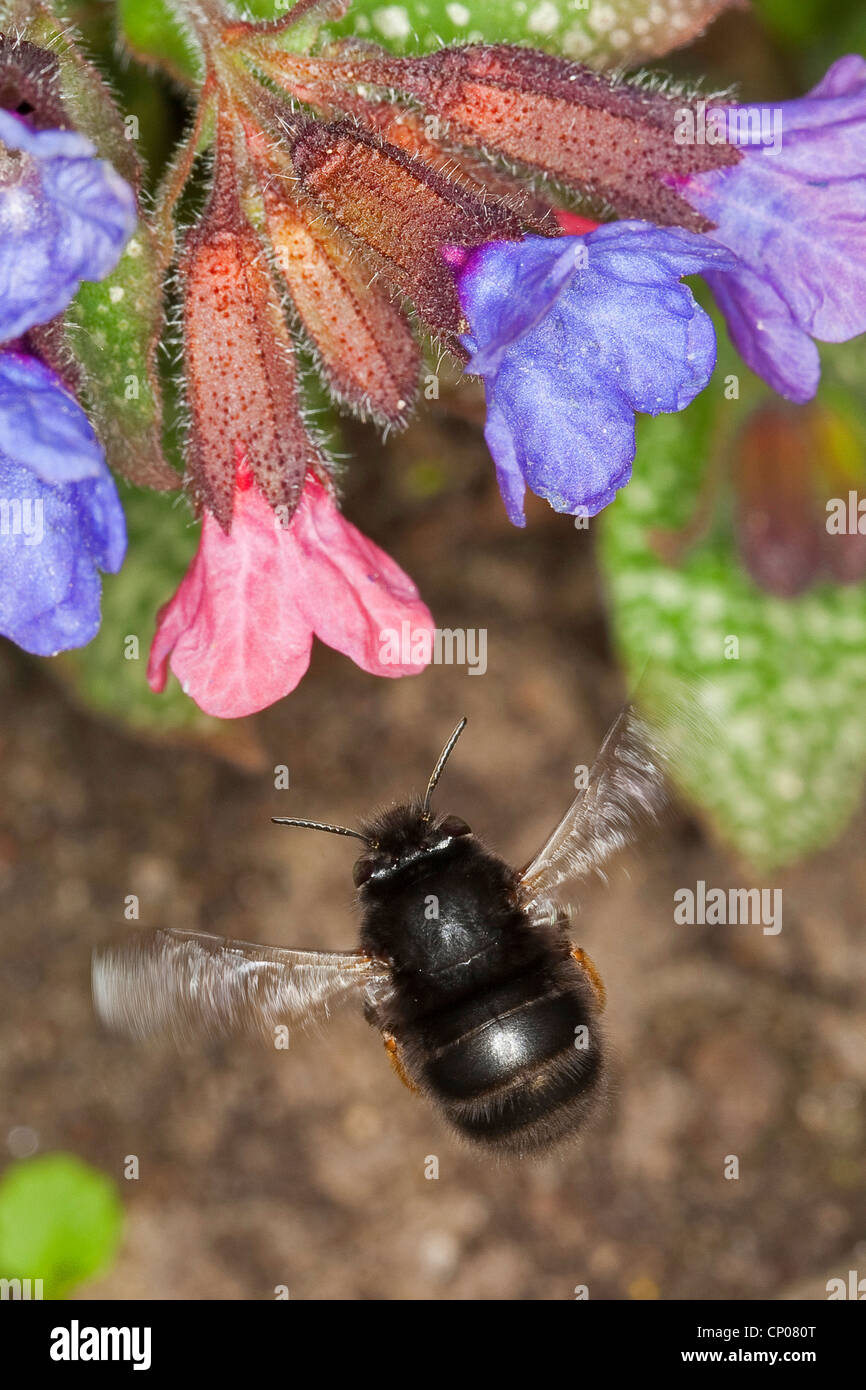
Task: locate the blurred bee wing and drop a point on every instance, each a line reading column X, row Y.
column 626, row 787
column 187, row 984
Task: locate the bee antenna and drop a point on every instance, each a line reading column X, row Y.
column 440, row 767
column 317, row 825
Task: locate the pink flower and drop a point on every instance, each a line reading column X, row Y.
column 239, row 630
column 573, row 224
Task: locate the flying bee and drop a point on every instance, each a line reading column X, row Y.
column 465, row 964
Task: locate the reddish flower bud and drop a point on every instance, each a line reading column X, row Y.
column 338, row 86
column 402, row 209
column 602, row 137
column 30, row 79
column 418, row 135
column 839, row 452
column 778, row 524
column 797, row 472
column 242, row 379
column 365, row 345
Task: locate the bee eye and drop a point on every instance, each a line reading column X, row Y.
column 453, row 826
column 362, row 871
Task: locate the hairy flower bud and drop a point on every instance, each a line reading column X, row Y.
column 242, row 381
column 30, row 83
column 777, row 523
column 600, row 136
column 403, row 210
column 365, row 345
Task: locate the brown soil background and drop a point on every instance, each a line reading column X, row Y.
column 307, row 1168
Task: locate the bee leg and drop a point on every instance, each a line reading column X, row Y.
column 394, row 1058
column 591, row 973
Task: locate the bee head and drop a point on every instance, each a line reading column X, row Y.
column 403, row 835
column 407, row 833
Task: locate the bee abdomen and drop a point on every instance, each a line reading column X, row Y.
column 524, row 1077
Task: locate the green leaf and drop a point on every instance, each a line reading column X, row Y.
column 60, row 1221
column 112, row 329
column 783, row 769
column 616, row 31
column 154, row 35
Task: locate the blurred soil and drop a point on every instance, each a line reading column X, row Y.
column 307, row 1168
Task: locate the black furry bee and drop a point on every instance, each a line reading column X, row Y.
column 465, row 964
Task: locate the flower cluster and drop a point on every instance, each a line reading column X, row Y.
column 355, row 198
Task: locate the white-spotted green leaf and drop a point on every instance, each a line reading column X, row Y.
column 112, row 329
column 598, row 32
column 782, row 681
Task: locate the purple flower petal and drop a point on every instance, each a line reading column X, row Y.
column 53, row 542
column 503, row 295
column 41, row 426
column 766, row 336
column 16, row 134
column 573, row 335
column 795, row 216
column 65, row 217
column 60, row 517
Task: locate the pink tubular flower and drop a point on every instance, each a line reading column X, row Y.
column 239, row 630
column 573, row 224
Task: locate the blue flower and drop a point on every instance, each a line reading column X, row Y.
column 64, row 217
column 572, row 335
column 793, row 210
column 60, row 517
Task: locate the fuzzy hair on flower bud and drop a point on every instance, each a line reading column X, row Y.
column 605, row 138
column 242, row 378
column 365, row 346
column 402, row 210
